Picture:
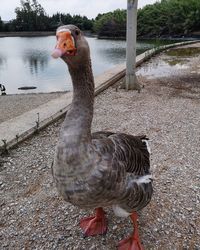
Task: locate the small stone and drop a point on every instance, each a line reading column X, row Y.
column 68, row 228
column 93, row 247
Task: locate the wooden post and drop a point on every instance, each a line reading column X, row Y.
column 131, row 34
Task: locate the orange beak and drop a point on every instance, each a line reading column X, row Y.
column 65, row 45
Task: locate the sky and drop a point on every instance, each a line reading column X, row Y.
column 89, row 8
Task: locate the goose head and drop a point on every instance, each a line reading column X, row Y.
column 71, row 46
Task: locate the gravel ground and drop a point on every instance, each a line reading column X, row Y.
column 33, row 216
column 15, row 105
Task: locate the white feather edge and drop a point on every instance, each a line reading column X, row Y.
column 143, row 179
column 120, row 212
column 148, row 147
column 65, row 30
column 62, row 30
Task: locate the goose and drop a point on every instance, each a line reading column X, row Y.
column 101, row 169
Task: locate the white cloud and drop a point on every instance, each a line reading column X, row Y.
column 89, row 8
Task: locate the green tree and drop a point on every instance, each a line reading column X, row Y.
column 81, row 21
column 30, row 16
column 164, row 18
column 111, row 24
column 169, row 17
column 1, row 25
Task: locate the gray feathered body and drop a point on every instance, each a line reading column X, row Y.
column 101, row 169
column 105, row 172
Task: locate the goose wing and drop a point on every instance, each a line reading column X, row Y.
column 130, row 151
column 123, row 162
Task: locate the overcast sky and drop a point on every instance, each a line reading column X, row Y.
column 89, row 8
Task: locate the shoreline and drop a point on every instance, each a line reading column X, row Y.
column 90, row 34
column 13, row 105
column 37, row 93
column 170, row 38
column 27, row 34
column 37, row 33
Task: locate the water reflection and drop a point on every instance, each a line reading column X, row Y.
column 162, row 66
column 112, row 52
column 2, row 61
column 26, row 61
column 105, row 54
column 37, row 60
column 113, row 55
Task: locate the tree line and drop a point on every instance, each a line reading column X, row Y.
column 31, row 16
column 169, row 17
column 161, row 19
column 164, row 18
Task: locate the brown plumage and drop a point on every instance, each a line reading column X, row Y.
column 100, row 169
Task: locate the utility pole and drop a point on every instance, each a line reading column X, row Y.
column 131, row 34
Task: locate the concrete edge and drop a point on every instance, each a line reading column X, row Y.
column 101, row 86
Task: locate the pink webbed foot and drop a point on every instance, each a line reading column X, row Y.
column 133, row 241
column 130, row 243
column 94, row 225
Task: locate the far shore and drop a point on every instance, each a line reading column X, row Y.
column 36, row 33
column 90, row 34
column 27, row 34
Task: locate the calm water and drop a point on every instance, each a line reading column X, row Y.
column 28, row 62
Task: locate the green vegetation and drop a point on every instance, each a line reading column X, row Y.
column 169, row 18
column 162, row 19
column 186, row 52
column 175, row 61
column 112, row 24
column 31, row 16
column 1, row 24
column 59, row 19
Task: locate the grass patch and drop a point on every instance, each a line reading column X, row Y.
column 175, row 61
column 184, row 52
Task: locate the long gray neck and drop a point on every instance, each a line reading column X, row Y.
column 77, row 124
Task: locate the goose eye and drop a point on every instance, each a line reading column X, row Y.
column 77, row 32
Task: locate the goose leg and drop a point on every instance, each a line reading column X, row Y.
column 133, row 241
column 94, row 225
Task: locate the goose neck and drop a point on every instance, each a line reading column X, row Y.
column 78, row 120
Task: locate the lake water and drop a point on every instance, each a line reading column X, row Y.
column 26, row 61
